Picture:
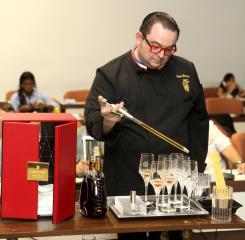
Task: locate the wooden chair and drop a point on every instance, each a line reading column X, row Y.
column 238, row 140
column 224, row 106
column 210, row 92
column 77, row 95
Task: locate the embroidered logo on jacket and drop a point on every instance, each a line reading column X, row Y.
column 185, row 81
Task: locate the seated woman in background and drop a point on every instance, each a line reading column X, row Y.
column 228, row 88
column 29, row 99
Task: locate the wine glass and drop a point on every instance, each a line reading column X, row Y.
column 180, row 169
column 170, row 180
column 157, row 182
column 145, row 170
column 162, row 158
column 175, row 157
column 190, row 178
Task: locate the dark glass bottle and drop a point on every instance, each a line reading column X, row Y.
column 93, row 202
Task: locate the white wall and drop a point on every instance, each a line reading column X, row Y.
column 63, row 41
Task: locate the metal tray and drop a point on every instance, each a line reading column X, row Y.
column 122, row 208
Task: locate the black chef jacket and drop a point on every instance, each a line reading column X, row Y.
column 170, row 100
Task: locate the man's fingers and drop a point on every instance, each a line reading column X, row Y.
column 110, row 110
column 101, row 100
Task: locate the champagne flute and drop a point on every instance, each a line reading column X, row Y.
column 190, row 178
column 170, row 180
column 180, row 164
column 175, row 157
column 145, row 170
column 162, row 158
column 157, row 182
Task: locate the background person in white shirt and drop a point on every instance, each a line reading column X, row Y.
column 29, row 99
column 218, row 141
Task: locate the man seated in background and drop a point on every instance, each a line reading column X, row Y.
column 220, row 142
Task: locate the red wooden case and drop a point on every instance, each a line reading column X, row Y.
column 20, row 145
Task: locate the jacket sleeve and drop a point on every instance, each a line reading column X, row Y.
column 198, row 128
column 93, row 118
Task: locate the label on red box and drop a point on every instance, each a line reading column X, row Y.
column 37, row 171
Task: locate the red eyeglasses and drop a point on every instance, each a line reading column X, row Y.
column 168, row 51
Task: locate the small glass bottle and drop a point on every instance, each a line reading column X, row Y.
column 93, row 201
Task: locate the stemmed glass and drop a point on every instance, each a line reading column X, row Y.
column 162, row 172
column 170, row 180
column 175, row 157
column 190, row 178
column 180, row 169
column 145, row 170
column 156, row 181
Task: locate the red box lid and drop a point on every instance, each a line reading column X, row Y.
column 39, row 117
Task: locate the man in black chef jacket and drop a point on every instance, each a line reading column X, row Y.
column 157, row 87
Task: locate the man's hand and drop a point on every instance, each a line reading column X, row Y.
column 81, row 167
column 108, row 109
column 110, row 118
